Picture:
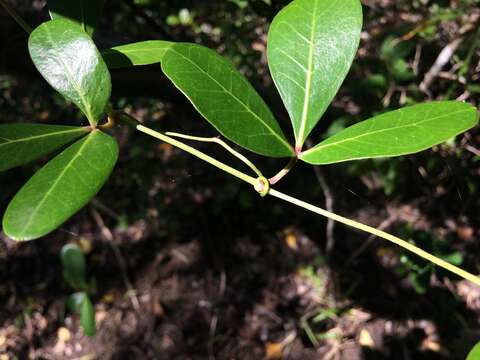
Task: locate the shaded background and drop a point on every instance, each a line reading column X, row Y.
column 191, row 264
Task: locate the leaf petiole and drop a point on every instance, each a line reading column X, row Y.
column 275, row 179
column 222, row 143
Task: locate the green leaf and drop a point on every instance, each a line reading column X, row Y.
column 139, row 53
column 75, row 301
column 62, row 187
column 225, row 98
column 80, row 303
column 474, row 354
column 87, row 317
column 395, row 133
column 311, row 46
column 68, row 59
column 73, row 262
column 85, row 13
column 23, row 143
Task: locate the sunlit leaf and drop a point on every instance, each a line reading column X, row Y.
column 225, row 98
column 475, row 353
column 68, row 59
column 62, row 187
column 311, row 46
column 73, row 262
column 139, row 53
column 23, row 143
column 395, row 133
column 86, row 13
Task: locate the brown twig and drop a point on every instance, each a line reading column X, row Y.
column 149, row 20
column 329, row 204
column 442, row 60
column 107, row 234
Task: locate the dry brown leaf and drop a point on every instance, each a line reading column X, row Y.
column 274, row 351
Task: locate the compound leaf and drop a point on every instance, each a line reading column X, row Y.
column 311, row 46
column 23, row 143
column 225, row 98
column 85, row 13
column 60, row 188
column 395, row 133
column 139, row 53
column 69, row 60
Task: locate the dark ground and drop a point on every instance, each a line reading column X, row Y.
column 192, row 264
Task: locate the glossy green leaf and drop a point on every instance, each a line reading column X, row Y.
column 61, row 187
column 86, row 13
column 139, row 53
column 23, row 143
column 73, row 262
column 474, row 354
column 395, row 133
column 225, row 98
column 87, row 317
column 311, row 46
column 68, row 59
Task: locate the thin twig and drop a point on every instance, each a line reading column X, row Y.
column 382, row 234
column 15, row 16
column 149, row 20
column 383, row 226
column 107, row 234
column 329, row 205
column 222, row 143
column 442, row 60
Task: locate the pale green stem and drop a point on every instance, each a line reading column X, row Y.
column 18, row 19
column 382, row 234
column 261, row 185
column 251, row 180
column 221, row 143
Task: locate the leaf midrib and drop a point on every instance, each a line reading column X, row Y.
column 31, row 138
column 321, row 147
column 115, row 49
column 309, row 79
column 283, row 141
column 55, row 183
column 70, row 77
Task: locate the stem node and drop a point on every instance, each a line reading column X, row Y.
column 262, row 186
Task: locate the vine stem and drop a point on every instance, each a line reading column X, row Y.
column 379, row 233
column 15, row 16
column 191, row 150
column 258, row 184
column 223, row 144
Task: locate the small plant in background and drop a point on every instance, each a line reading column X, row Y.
column 419, row 271
column 311, row 46
column 74, row 274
